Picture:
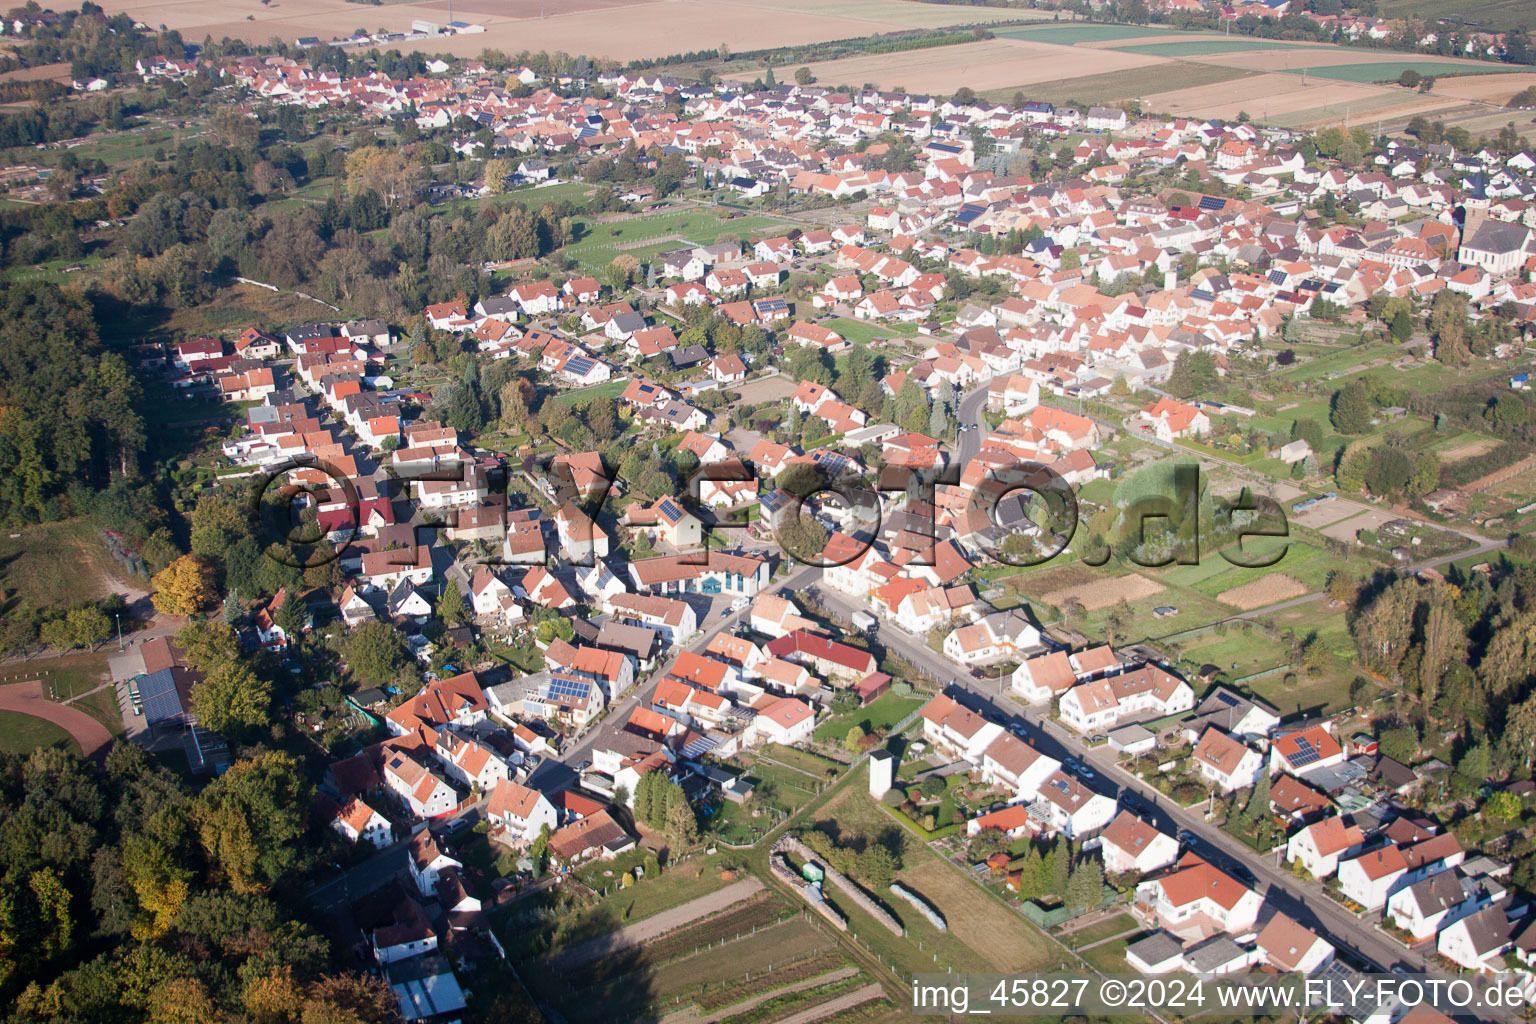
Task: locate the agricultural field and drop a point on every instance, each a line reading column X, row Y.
column 618, row 29
column 1488, row 15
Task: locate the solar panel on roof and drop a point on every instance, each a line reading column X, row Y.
column 159, row 696
column 1305, row 753
column 580, row 364
column 1276, row 277
column 1228, row 699
column 1211, row 203
column 670, row 510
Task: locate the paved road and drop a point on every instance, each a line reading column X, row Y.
column 361, row 879
column 1303, row 901
column 28, row 699
column 968, row 442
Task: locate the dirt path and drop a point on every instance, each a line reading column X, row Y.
column 654, row 927
column 693, row 1015
column 838, row 1005
column 28, row 699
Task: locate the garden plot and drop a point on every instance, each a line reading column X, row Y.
column 1106, row 592
column 1272, row 589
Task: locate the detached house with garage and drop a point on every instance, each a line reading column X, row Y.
column 1066, row 806
column 1430, row 905
column 357, row 821
column 1198, row 899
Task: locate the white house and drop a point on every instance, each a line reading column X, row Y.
column 1227, row 761
column 1011, row 762
column 1072, row 809
column 359, row 821
column 418, row 788
column 959, row 730
column 1478, row 941
column 1044, row 677
column 1290, row 948
column 1319, row 846
column 427, row 862
column 1132, row 844
column 785, row 721
column 1146, row 692
column 487, row 592
column 1198, row 898
column 1429, row 905
column 1368, row 878
column 521, row 811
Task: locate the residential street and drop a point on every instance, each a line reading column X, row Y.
column 1303, row 901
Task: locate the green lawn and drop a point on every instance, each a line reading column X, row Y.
column 879, row 716
column 1200, row 47
column 1246, row 647
column 613, row 389
column 1110, row 957
column 984, row 932
column 1102, row 930
column 1114, row 85
column 868, row 332
column 22, row 734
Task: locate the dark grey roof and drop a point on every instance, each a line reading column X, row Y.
column 1494, row 236
column 1156, row 948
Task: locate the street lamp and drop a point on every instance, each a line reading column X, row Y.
column 116, row 617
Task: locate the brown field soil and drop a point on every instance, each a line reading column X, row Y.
column 1000, row 937
column 1486, row 88
column 523, row 8
column 44, row 72
column 1106, row 592
column 900, row 12
column 1277, row 586
column 1319, row 516
column 654, row 927
column 1321, row 56
column 989, row 64
column 1262, row 96
column 1390, row 106
column 597, row 28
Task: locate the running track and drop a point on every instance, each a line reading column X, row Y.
column 28, row 699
